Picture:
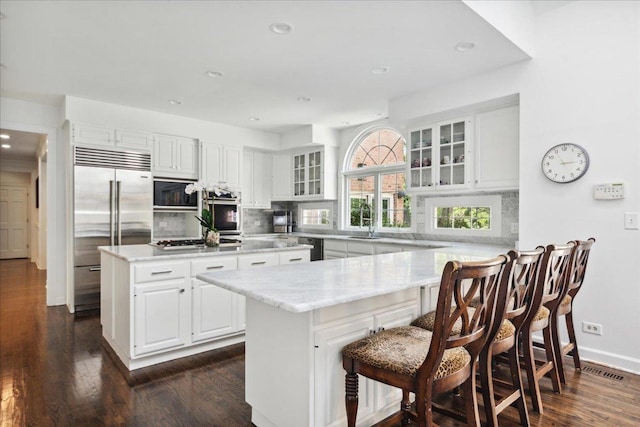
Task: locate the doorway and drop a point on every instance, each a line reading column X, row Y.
column 14, row 215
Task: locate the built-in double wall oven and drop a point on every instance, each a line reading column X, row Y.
column 226, row 215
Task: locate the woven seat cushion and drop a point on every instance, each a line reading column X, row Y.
column 566, row 300
column 403, row 350
column 543, row 313
column 427, row 321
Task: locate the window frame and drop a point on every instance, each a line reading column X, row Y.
column 494, row 202
column 311, row 206
column 376, row 172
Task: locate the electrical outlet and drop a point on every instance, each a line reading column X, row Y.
column 256, row 222
column 163, row 224
column 592, row 328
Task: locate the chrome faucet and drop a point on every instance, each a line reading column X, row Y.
column 366, row 206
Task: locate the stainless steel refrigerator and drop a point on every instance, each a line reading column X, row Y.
column 113, row 197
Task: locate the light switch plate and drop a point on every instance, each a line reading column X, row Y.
column 631, row 220
column 613, row 191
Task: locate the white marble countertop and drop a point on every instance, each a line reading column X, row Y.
column 134, row 253
column 305, row 287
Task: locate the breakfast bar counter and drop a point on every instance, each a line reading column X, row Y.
column 299, row 318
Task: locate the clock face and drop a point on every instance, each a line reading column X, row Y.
column 565, row 163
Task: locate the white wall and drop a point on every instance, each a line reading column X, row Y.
column 583, row 86
column 128, row 118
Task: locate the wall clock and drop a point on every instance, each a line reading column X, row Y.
column 565, row 163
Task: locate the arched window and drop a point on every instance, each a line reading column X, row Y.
column 375, row 174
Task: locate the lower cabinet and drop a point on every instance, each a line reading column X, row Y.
column 155, row 311
column 161, row 316
column 329, row 374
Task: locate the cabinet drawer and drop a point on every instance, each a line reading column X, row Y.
column 257, row 260
column 210, row 265
column 160, row 271
column 294, row 257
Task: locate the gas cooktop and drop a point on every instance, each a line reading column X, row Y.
column 191, row 243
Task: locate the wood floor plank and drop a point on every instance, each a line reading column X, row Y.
column 56, row 371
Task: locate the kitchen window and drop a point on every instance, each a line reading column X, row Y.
column 315, row 215
column 376, row 183
column 464, row 216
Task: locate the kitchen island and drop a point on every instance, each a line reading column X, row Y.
column 300, row 317
column 153, row 309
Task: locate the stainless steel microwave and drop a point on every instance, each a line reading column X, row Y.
column 169, row 194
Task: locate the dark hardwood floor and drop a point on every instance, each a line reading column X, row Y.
column 54, row 371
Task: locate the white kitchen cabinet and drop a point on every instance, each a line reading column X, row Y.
column 315, row 174
column 497, row 141
column 213, row 309
column 155, row 311
column 221, row 164
column 440, row 156
column 256, row 187
column 335, row 249
column 330, row 374
column 175, row 157
column 282, row 175
column 161, row 315
column 100, row 136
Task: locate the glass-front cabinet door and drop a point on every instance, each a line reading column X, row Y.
column 315, row 171
column 299, row 175
column 438, row 155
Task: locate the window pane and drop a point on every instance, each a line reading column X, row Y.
column 463, row 217
column 396, row 204
column 315, row 216
column 361, row 192
column 383, row 147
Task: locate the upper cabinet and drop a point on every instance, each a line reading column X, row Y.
column 497, row 148
column 221, row 164
column 256, row 186
column 175, row 157
column 281, row 181
column 314, row 174
column 440, row 156
column 112, row 138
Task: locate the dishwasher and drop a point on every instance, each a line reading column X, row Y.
column 317, row 253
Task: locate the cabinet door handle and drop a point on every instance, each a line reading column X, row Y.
column 161, row 272
column 258, row 262
column 215, row 267
column 95, row 268
column 295, row 259
column 181, row 291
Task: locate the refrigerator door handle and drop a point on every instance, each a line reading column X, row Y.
column 118, row 225
column 112, row 234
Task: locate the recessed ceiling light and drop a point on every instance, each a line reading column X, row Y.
column 465, row 46
column 304, row 99
column 5, row 146
column 174, row 102
column 380, row 70
column 378, row 114
column 281, row 28
column 214, row 74
column 254, row 119
column 4, row 136
column 346, row 123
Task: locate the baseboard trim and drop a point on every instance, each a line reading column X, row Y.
column 611, row 360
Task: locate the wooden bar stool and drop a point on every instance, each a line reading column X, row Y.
column 574, row 283
column 519, row 311
column 428, row 363
column 552, row 277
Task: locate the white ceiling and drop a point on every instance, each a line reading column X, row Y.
column 144, row 53
column 23, row 145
